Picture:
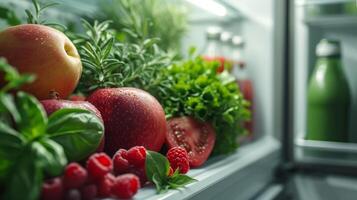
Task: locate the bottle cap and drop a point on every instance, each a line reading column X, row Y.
column 213, row 32
column 237, row 41
column 327, row 47
column 226, row 37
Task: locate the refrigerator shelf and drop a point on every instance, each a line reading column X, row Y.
column 319, row 2
column 348, row 21
column 249, row 169
column 324, row 152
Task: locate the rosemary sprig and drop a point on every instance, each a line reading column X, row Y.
column 36, row 17
column 109, row 63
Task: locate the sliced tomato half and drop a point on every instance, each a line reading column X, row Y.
column 196, row 137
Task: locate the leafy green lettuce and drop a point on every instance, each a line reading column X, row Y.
column 193, row 88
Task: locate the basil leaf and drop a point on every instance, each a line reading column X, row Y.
column 156, row 165
column 33, row 118
column 179, row 180
column 78, row 131
column 25, row 180
column 5, row 166
column 50, row 156
column 7, row 105
column 11, row 142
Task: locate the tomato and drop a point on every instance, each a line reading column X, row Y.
column 196, row 137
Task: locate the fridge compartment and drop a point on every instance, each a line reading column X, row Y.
column 326, row 152
column 329, row 11
column 240, row 175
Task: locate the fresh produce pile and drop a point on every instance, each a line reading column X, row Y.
column 135, row 104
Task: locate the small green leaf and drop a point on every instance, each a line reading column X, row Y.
column 78, row 131
column 33, row 117
column 156, row 165
column 179, row 180
column 159, row 183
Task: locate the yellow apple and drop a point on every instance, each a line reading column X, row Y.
column 45, row 52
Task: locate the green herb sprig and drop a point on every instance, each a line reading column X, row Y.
column 110, row 63
column 36, row 16
column 193, row 88
column 33, row 146
column 157, row 171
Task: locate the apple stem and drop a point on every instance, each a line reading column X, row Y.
column 53, row 95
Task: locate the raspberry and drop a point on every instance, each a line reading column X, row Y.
column 121, row 164
column 74, row 176
column 139, row 172
column 131, row 161
column 104, row 186
column 136, row 156
column 73, row 194
column 98, row 165
column 126, row 186
column 178, row 158
column 52, row 189
column 89, row 192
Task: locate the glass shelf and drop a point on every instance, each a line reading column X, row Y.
column 349, row 21
column 319, row 2
column 325, row 152
column 329, row 13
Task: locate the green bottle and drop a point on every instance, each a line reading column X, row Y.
column 328, row 97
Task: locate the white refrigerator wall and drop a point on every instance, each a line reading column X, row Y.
column 256, row 28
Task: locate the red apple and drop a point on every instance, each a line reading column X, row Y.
column 52, row 105
column 44, row 52
column 132, row 117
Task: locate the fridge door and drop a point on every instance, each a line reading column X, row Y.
column 317, row 169
column 314, row 20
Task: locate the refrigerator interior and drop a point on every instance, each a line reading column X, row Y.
column 251, row 168
column 315, row 20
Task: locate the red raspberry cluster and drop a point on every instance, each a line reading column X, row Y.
column 104, row 177
column 131, row 161
column 96, row 180
column 178, row 159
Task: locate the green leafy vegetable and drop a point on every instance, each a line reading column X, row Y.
column 28, row 108
column 78, row 131
column 193, row 88
column 31, row 145
column 25, row 178
column 109, row 63
column 157, row 171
